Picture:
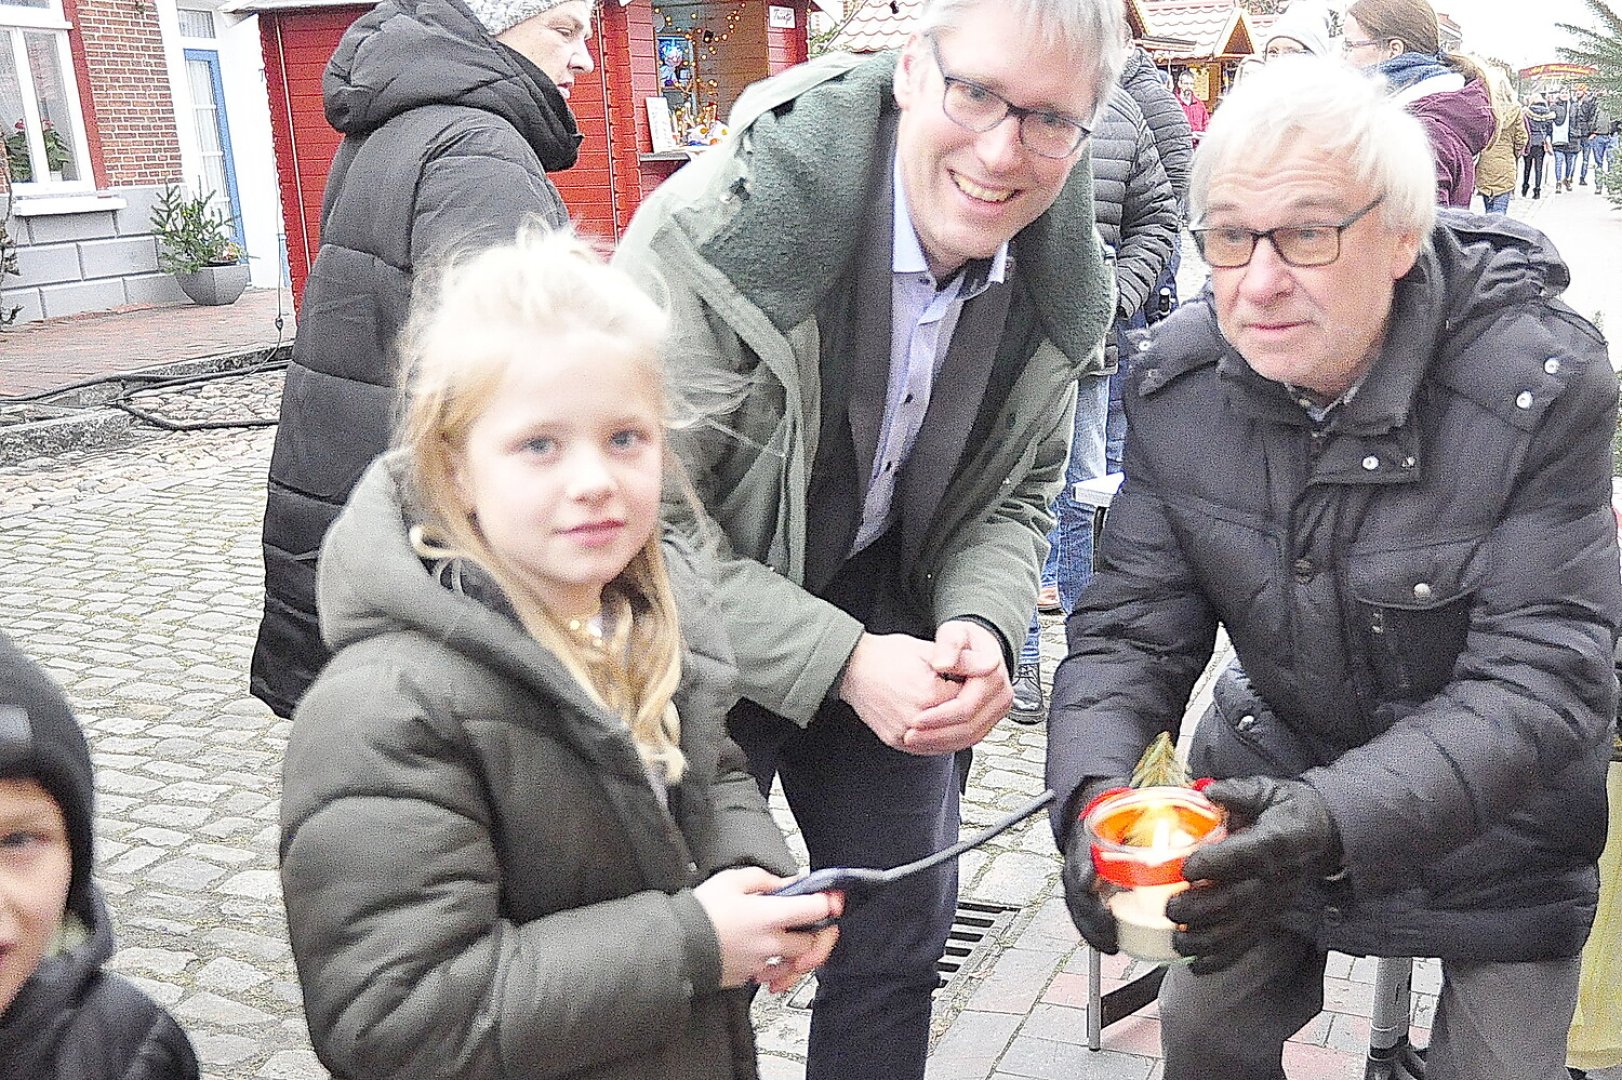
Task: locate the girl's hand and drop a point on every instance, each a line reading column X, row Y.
column 759, row 942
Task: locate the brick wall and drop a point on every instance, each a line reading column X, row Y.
column 130, row 106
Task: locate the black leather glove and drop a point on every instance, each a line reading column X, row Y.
column 1093, row 919
column 1280, row 836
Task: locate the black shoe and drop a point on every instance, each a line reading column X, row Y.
column 1583, row 182
column 1576, row 1074
column 1029, row 705
column 1538, row 194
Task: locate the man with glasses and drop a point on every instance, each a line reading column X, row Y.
column 887, row 285
column 1378, row 453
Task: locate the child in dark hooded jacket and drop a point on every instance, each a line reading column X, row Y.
column 61, row 1016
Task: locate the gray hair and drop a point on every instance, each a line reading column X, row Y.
column 1320, row 102
column 1091, row 32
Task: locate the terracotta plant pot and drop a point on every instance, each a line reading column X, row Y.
column 215, row 284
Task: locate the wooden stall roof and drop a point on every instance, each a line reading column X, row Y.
column 878, row 25
column 1219, row 29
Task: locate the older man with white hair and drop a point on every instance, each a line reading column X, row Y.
column 1378, row 452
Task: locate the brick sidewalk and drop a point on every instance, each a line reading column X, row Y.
column 58, row 352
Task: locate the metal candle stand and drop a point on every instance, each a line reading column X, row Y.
column 1391, row 1055
column 1105, row 1009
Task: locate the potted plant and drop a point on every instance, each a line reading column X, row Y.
column 58, row 154
column 195, row 245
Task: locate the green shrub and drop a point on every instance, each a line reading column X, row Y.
column 191, row 233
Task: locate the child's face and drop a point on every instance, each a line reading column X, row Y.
column 563, row 470
column 36, row 865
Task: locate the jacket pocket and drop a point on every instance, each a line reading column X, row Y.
column 1413, row 605
column 1241, row 735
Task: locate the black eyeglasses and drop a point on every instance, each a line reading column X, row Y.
column 1348, row 46
column 976, row 108
column 1228, row 246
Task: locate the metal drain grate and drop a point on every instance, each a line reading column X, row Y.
column 977, row 926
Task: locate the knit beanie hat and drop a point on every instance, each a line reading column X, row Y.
column 499, row 16
column 1305, row 21
column 40, row 740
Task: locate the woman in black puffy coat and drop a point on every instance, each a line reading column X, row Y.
column 449, row 134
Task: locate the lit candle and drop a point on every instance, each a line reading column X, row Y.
column 1141, row 926
column 1140, row 838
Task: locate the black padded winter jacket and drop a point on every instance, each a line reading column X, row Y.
column 1423, row 592
column 1137, row 211
column 73, row 1021
column 1165, row 118
column 448, row 137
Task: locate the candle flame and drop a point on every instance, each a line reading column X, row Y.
column 1159, row 828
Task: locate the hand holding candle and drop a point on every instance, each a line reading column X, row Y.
column 1092, row 919
column 1138, row 839
column 1282, row 835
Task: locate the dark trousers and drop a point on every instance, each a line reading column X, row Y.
column 1499, row 1020
column 860, row 803
column 1532, row 170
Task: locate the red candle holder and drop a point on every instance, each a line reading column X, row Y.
column 1139, row 838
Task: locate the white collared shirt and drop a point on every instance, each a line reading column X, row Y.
column 923, row 318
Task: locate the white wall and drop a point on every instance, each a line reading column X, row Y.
column 247, row 110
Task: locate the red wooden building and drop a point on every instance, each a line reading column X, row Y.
column 732, row 43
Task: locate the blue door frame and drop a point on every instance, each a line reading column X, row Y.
column 211, row 57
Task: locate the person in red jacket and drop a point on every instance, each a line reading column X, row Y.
column 1193, row 108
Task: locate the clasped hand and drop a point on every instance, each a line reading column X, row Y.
column 929, row 697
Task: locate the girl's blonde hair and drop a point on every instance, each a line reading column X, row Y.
column 1500, row 90
column 471, row 322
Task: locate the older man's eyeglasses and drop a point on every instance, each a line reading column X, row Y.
column 1226, row 247
column 976, row 108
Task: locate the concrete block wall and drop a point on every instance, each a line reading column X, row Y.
column 90, row 261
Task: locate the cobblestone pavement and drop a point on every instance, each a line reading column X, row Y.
column 134, row 578
column 50, row 354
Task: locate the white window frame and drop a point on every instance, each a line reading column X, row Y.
column 15, row 21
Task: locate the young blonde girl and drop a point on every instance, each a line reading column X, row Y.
column 515, row 839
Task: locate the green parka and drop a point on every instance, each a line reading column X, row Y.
column 1496, row 165
column 481, row 883
column 746, row 242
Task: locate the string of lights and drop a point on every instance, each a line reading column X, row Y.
column 705, row 37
